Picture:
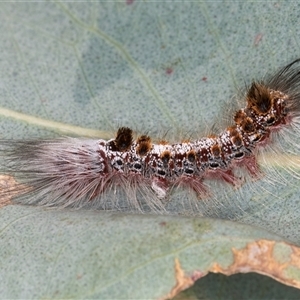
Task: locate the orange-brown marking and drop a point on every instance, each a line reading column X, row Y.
column 212, row 136
column 165, row 157
column 186, row 141
column 239, row 116
column 244, row 121
column 236, row 137
column 143, row 145
column 247, row 125
column 163, row 142
column 216, row 150
column 191, row 156
column 123, row 140
column 259, row 98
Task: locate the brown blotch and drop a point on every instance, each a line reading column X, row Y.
column 271, row 258
column 215, row 150
column 259, row 98
column 165, row 157
column 123, row 140
column 143, row 145
column 191, row 156
column 183, row 281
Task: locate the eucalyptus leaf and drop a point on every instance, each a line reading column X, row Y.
column 165, row 68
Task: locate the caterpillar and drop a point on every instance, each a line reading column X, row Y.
column 72, row 172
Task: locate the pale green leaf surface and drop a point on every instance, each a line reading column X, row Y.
column 70, row 254
column 156, row 67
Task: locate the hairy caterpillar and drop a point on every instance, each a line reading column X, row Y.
column 72, row 172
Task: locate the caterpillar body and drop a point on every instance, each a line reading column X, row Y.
column 73, row 172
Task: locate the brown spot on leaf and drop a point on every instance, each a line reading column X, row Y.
column 260, row 257
column 9, row 188
column 258, row 39
column 183, row 281
column 295, row 257
column 169, row 71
